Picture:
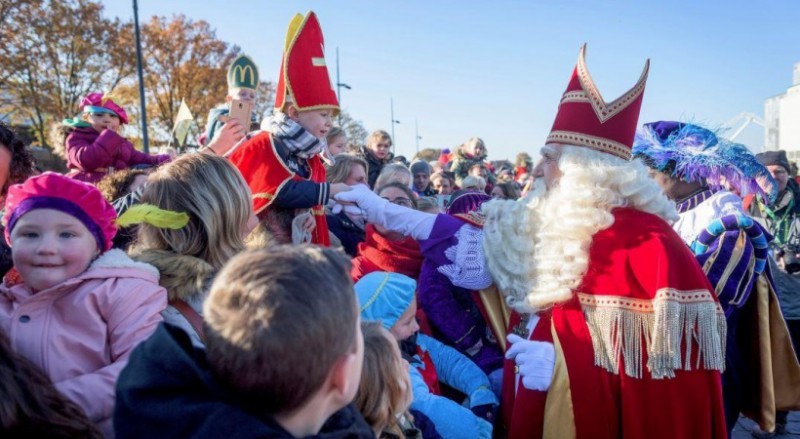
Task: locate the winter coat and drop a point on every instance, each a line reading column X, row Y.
column 82, row 331
column 184, row 277
column 374, row 164
column 168, row 391
column 91, row 154
column 454, row 369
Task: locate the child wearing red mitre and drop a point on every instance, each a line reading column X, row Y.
column 282, row 164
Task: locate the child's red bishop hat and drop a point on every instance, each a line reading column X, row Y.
column 303, row 80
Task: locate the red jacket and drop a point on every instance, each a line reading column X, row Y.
column 90, row 154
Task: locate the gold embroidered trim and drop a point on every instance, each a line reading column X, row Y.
column 575, row 96
column 263, row 195
column 599, row 143
column 621, row 327
column 603, row 110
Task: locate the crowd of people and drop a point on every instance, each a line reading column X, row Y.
column 634, row 281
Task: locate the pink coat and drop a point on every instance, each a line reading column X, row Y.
column 90, row 154
column 81, row 332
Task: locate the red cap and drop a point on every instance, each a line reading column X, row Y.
column 585, row 119
column 303, row 79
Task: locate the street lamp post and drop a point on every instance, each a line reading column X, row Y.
column 145, row 140
column 394, row 121
column 339, row 85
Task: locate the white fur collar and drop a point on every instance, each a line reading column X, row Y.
column 116, row 258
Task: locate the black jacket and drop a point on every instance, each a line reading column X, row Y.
column 168, row 391
column 374, row 165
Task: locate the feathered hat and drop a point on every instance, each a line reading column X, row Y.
column 303, row 80
column 693, row 153
column 584, row 118
column 243, row 73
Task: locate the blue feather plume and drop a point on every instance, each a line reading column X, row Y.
column 698, row 154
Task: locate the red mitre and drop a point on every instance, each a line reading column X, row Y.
column 303, row 79
column 585, row 119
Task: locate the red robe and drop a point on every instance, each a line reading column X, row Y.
column 641, row 277
column 265, row 173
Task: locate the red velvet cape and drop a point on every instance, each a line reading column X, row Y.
column 638, row 267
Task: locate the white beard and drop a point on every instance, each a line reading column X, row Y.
column 509, row 240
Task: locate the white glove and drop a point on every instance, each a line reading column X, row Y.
column 409, row 222
column 535, row 361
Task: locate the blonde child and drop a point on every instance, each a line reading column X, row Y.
column 378, row 153
column 337, row 141
column 384, row 394
column 80, row 308
column 93, row 145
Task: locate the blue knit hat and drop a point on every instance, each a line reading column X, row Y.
column 384, row 297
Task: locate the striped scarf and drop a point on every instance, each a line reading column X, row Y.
column 296, row 139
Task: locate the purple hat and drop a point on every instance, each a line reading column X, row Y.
column 100, row 103
column 466, row 204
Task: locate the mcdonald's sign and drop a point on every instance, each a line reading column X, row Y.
column 243, row 73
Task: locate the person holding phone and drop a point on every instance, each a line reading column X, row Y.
column 228, row 124
column 282, row 164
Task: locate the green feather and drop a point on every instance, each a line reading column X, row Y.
column 153, row 215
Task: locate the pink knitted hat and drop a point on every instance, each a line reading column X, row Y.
column 55, row 191
column 98, row 102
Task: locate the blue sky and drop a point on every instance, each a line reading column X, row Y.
column 497, row 69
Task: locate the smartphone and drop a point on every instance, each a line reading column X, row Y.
column 241, row 111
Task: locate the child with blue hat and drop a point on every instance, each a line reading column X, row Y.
column 390, row 299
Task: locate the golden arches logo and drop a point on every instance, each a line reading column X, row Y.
column 242, row 73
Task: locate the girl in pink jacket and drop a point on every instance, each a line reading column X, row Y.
column 80, row 307
column 93, row 146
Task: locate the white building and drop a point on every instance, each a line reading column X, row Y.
column 782, row 117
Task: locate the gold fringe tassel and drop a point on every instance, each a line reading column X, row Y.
column 621, row 328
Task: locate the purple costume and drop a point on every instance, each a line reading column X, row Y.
column 452, row 311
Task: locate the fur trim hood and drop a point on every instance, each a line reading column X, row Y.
column 184, row 277
column 58, row 139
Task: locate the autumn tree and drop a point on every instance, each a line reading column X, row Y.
column 356, row 133
column 53, row 52
column 185, row 61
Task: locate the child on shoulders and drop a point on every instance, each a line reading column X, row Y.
column 93, row 145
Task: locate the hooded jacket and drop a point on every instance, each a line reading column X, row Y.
column 185, row 278
column 82, row 331
column 168, row 391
